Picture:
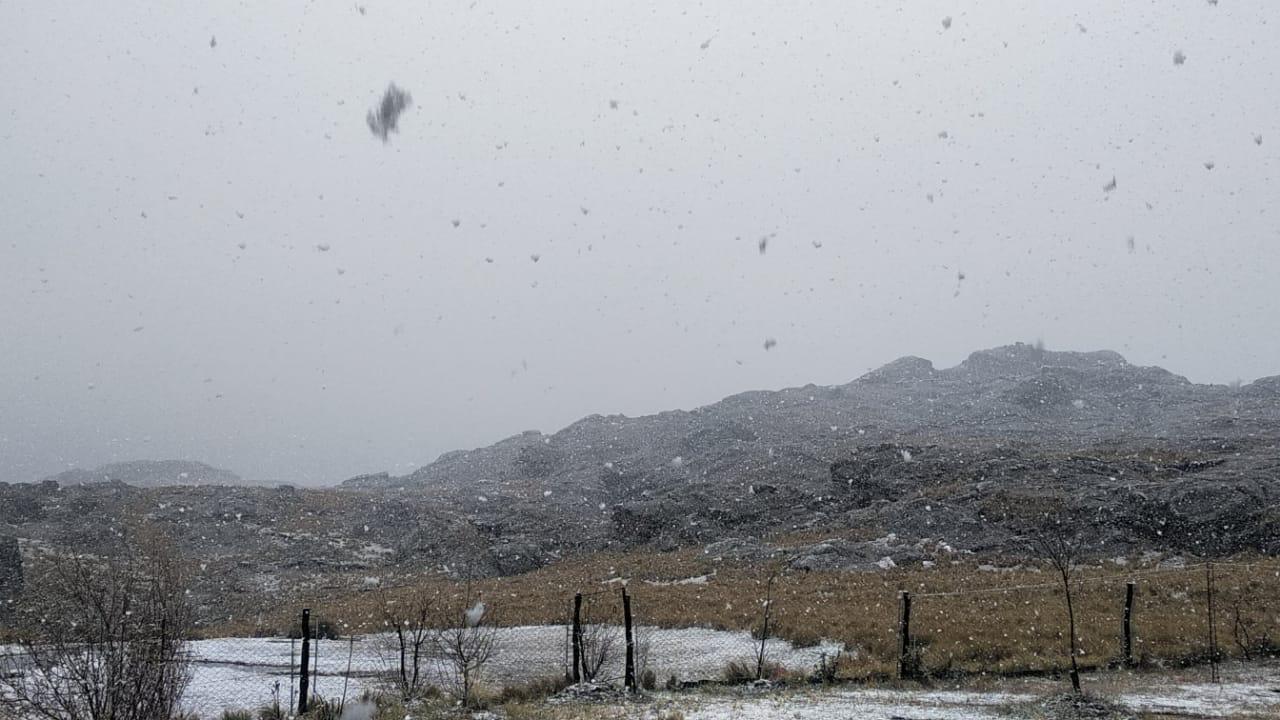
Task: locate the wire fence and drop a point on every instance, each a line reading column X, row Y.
column 829, row 626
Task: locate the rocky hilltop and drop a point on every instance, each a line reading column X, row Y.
column 149, row 473
column 962, row 455
column 907, row 462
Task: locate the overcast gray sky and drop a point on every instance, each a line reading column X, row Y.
column 164, row 199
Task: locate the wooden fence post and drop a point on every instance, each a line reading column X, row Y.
column 1213, row 631
column 303, row 696
column 629, row 678
column 577, row 637
column 1127, row 625
column 906, row 664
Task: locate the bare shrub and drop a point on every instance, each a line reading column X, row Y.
column 410, row 642
column 101, row 639
column 467, row 648
column 642, row 636
column 599, row 643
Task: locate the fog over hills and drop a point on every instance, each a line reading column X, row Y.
column 150, row 473
column 908, row 462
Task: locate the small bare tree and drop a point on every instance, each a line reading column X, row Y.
column 411, row 640
column 101, row 639
column 1061, row 548
column 766, row 616
column 467, row 647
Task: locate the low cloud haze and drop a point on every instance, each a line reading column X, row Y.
column 206, row 254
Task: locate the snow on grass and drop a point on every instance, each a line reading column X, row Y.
column 861, row 704
column 1253, row 694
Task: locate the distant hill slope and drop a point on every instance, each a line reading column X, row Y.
column 150, row 473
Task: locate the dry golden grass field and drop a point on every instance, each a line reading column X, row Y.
column 967, row 617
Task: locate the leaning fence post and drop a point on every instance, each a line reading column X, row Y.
column 629, row 679
column 1213, row 631
column 315, row 664
column 906, row 665
column 306, row 657
column 577, row 637
column 1127, row 624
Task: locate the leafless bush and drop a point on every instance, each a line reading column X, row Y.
column 101, row 639
column 467, row 648
column 412, row 639
column 600, row 643
column 643, row 638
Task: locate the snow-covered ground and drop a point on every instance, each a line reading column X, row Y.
column 1247, row 691
column 244, row 672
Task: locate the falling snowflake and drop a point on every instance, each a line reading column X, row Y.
column 535, row 257
column 1179, row 57
column 946, row 23
column 706, row 43
column 769, row 343
column 323, row 247
column 1111, row 185
column 385, row 118
column 1257, row 139
column 1209, row 165
column 213, row 41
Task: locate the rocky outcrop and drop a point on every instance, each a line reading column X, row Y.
column 10, row 577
